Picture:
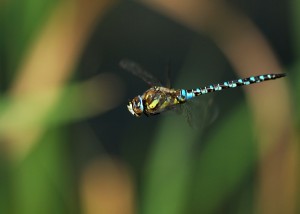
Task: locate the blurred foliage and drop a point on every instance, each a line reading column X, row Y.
column 175, row 169
column 20, row 23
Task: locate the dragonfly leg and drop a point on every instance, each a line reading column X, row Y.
column 150, row 114
column 153, row 114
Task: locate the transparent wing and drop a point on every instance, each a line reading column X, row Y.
column 199, row 113
column 168, row 75
column 136, row 70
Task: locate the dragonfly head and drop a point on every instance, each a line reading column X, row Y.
column 136, row 107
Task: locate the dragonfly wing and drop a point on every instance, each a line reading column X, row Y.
column 168, row 75
column 136, row 70
column 199, row 113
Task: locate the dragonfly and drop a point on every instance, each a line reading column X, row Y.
column 158, row 98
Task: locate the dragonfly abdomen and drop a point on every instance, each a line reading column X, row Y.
column 191, row 93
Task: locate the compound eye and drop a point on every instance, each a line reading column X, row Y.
column 135, row 106
column 137, row 102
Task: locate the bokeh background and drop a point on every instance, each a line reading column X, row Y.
column 69, row 145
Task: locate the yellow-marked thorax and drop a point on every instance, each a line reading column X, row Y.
column 158, row 99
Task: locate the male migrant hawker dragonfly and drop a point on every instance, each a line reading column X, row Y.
column 158, row 98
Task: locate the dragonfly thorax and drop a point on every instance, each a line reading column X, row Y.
column 136, row 107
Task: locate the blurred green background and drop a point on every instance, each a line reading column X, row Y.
column 69, row 145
